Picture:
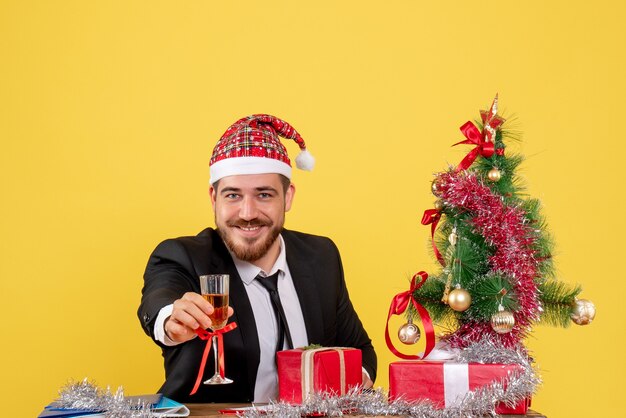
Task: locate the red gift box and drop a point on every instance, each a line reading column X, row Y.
column 304, row 372
column 445, row 383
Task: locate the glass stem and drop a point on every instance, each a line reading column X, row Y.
column 215, row 355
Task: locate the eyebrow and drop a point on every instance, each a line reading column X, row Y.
column 228, row 189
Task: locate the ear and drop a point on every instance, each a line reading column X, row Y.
column 289, row 194
column 212, row 194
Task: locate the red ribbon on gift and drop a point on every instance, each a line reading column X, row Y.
column 208, row 337
column 399, row 304
column 431, row 217
column 484, row 146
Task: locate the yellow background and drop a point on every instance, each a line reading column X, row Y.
column 109, row 111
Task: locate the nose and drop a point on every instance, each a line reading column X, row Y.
column 248, row 210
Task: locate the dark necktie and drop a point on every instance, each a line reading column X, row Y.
column 270, row 283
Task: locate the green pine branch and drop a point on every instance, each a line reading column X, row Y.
column 509, row 186
column 469, row 256
column 557, row 299
column 488, row 293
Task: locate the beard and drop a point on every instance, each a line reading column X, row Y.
column 251, row 249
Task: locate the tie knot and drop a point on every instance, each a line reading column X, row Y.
column 270, row 282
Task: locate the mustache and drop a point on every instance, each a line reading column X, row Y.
column 248, row 224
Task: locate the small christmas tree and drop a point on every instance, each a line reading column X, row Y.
column 497, row 277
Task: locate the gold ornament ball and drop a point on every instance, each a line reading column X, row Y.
column 583, row 312
column 434, row 187
column 494, row 175
column 409, row 333
column 459, row 299
column 438, row 205
column 502, row 322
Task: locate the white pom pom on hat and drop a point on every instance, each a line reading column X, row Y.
column 305, row 161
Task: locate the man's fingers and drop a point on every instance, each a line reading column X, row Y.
column 183, row 317
column 199, row 301
column 190, row 314
column 178, row 332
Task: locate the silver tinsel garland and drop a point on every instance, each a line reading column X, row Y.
column 87, row 395
column 479, row 403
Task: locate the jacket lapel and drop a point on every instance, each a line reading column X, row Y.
column 305, row 285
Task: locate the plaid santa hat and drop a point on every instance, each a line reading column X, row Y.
column 251, row 146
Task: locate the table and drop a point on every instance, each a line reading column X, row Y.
column 208, row 410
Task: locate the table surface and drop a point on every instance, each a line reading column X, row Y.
column 201, row 410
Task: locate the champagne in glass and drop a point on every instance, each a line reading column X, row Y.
column 220, row 309
column 214, row 289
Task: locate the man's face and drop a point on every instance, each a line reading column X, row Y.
column 250, row 212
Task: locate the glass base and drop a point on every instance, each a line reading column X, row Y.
column 218, row 380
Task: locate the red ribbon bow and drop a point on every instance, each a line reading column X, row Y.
column 399, row 304
column 485, row 140
column 208, row 336
column 484, row 146
column 431, row 217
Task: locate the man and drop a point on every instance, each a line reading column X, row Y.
column 250, row 193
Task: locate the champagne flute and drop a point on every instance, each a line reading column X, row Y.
column 214, row 289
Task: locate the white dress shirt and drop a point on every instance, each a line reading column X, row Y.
column 266, row 386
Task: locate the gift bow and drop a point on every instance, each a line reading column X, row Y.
column 208, row 337
column 399, row 304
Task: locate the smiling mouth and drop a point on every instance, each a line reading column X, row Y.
column 249, row 228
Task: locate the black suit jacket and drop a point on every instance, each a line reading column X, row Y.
column 315, row 265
